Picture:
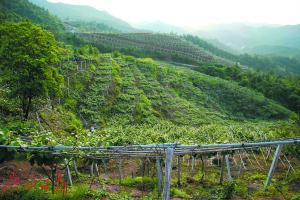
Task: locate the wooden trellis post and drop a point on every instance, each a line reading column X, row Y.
column 179, row 171
column 148, row 166
column 273, row 165
column 96, row 169
column 193, row 164
column 202, row 169
column 68, row 173
column 222, row 169
column 159, row 176
column 75, row 167
column 228, row 167
column 92, row 168
column 168, row 171
column 105, row 166
column 120, row 170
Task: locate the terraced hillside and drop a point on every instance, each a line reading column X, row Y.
column 142, row 90
column 163, row 46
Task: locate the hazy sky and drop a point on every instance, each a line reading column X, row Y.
column 193, row 13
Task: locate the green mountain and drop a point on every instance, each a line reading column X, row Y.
column 186, row 49
column 68, row 12
column 22, row 10
column 252, row 39
column 274, row 50
column 268, row 63
column 161, row 27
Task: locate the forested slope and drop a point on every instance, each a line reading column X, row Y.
column 85, row 14
column 22, row 10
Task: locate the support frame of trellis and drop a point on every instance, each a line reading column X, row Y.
column 159, row 151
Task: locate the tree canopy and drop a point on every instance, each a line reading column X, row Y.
column 28, row 54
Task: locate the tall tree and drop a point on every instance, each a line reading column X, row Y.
column 27, row 58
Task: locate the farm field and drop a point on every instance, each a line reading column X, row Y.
column 92, row 107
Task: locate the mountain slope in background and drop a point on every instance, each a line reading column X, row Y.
column 21, row 10
column 261, row 40
column 274, row 50
column 167, row 47
column 161, row 27
column 68, row 12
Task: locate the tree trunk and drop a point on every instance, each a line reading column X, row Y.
column 27, row 109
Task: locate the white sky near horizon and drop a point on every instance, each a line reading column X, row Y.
column 194, row 13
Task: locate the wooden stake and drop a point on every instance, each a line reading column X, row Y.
column 96, row 169
column 256, row 159
column 193, row 164
column 222, row 169
column 288, row 171
column 92, row 168
column 105, row 166
column 120, row 170
column 178, row 172
column 264, row 157
column 244, row 166
column 75, row 167
column 202, row 169
column 68, row 173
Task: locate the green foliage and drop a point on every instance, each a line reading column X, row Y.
column 241, row 188
column 75, row 193
column 88, row 52
column 61, row 121
column 219, row 192
column 179, row 193
column 283, row 89
column 22, row 193
column 87, row 14
column 143, row 109
column 27, row 53
column 20, row 127
column 23, row 10
column 7, row 138
column 139, row 182
column 256, row 177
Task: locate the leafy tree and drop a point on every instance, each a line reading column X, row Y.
column 28, row 54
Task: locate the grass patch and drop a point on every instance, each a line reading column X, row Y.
column 139, row 182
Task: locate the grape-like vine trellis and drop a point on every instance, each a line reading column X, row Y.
column 168, row 151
